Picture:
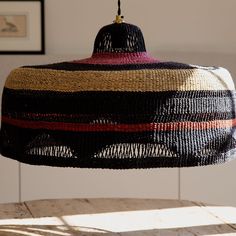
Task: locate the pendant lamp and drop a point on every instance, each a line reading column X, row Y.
column 119, row 109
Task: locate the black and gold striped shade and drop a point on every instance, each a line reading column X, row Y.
column 119, row 109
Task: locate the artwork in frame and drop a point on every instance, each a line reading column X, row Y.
column 22, row 27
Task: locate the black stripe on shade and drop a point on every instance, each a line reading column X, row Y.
column 70, row 66
column 117, row 104
column 109, row 150
column 110, row 119
column 122, row 164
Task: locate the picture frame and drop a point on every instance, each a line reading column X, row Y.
column 22, row 29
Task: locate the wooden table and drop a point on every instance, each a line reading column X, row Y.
column 124, row 217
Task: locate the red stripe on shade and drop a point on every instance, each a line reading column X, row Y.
column 78, row 127
column 118, row 59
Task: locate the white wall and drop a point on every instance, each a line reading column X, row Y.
column 200, row 32
column 169, row 25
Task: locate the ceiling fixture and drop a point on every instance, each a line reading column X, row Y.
column 119, row 109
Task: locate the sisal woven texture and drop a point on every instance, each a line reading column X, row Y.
column 119, row 109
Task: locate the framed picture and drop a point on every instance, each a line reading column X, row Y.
column 22, row 27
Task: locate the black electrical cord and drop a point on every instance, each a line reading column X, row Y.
column 119, row 8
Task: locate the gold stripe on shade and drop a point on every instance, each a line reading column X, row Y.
column 127, row 80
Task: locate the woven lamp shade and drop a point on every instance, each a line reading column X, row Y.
column 119, row 109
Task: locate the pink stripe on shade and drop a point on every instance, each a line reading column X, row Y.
column 127, row 128
column 118, row 59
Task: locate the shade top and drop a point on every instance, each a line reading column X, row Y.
column 119, row 38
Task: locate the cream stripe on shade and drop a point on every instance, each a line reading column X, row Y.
column 129, row 80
